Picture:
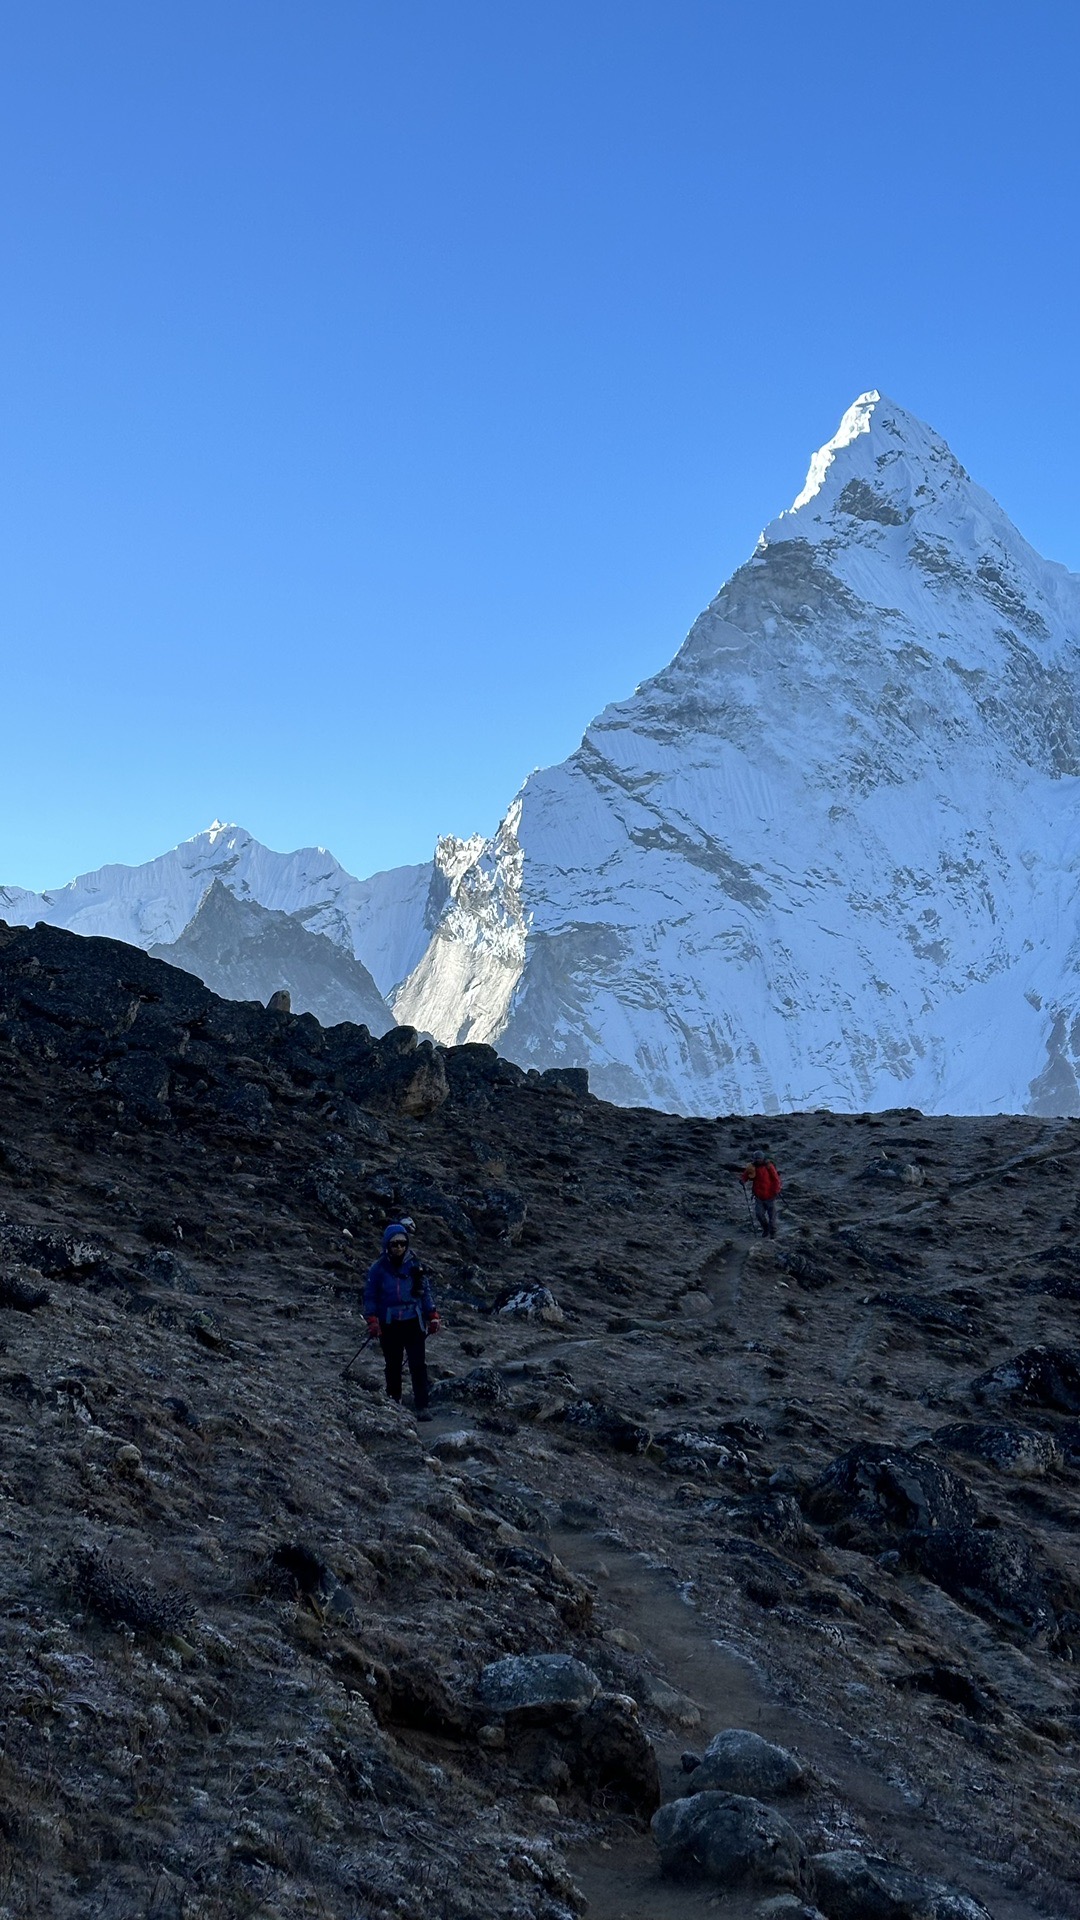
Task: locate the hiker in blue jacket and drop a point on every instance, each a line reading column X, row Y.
column 401, row 1312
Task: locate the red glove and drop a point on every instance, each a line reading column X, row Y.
column 373, row 1325
column 433, row 1324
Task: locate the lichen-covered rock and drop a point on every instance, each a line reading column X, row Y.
column 1038, row 1377
column 1013, row 1450
column 530, row 1303
column 731, row 1839
column 537, row 1685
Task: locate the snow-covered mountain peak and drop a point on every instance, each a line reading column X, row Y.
column 890, row 519
column 825, row 855
column 882, row 467
column 857, row 420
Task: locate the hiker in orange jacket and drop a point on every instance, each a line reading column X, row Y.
column 766, row 1189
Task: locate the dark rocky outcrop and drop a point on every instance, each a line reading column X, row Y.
column 855, row 1886
column 1039, row 1377
column 242, row 951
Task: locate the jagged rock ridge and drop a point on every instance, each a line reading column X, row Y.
column 245, row 952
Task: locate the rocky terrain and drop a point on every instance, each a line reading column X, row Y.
column 272, row 1648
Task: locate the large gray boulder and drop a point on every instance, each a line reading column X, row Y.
column 537, row 1686
column 737, row 1761
column 730, row 1839
column 856, row 1886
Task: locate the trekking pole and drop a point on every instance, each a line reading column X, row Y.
column 749, row 1209
column 362, row 1348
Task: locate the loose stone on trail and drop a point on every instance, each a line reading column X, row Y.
column 737, row 1761
column 731, row 1839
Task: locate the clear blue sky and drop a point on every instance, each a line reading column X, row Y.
column 387, row 386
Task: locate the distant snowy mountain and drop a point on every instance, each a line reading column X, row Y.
column 827, row 857
column 246, row 952
column 385, row 921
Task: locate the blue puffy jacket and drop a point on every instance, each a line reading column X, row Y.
column 388, row 1290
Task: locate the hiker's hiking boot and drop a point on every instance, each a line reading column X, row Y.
column 424, row 1413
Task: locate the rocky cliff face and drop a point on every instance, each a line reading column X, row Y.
column 827, row 856
column 246, row 952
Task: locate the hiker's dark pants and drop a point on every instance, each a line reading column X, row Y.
column 766, row 1216
column 405, row 1340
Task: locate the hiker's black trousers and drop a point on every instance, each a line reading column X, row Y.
column 405, row 1340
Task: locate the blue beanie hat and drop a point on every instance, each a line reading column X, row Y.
column 393, row 1230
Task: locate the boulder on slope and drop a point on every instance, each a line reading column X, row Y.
column 1037, row 1377
column 538, row 1686
column 856, row 1886
column 731, row 1839
column 738, row 1761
